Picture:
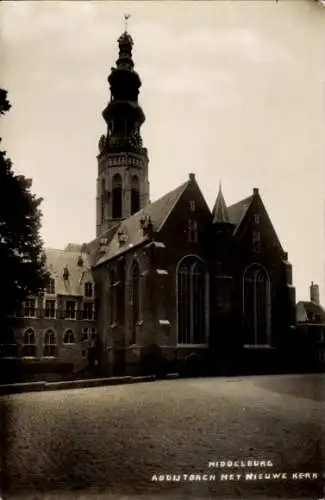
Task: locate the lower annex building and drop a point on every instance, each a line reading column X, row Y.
column 170, row 273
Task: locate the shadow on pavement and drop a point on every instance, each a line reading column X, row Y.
column 310, row 387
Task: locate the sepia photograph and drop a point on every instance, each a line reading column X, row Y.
column 162, row 250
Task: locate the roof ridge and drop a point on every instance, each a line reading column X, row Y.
column 240, row 201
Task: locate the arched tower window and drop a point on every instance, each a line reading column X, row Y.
column 49, row 344
column 117, row 197
column 102, row 201
column 29, row 347
column 113, row 297
column 135, row 194
column 135, row 297
column 192, row 282
column 257, row 306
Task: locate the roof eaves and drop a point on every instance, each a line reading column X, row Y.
column 243, row 216
column 181, row 188
column 123, row 251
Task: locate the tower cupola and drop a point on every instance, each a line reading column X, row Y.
column 122, row 183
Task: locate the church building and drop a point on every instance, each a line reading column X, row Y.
column 171, row 273
column 167, row 280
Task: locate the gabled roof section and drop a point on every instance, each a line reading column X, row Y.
column 95, row 247
column 237, row 211
column 158, row 212
column 78, row 266
column 309, row 312
column 220, row 211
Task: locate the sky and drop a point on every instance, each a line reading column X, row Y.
column 232, row 90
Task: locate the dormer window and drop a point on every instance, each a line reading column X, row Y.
column 88, row 289
column 50, row 289
column 146, row 224
column 122, row 237
column 65, row 273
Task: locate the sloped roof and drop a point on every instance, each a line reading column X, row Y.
column 57, row 260
column 237, row 211
column 310, row 312
column 73, row 247
column 158, row 212
column 94, row 247
column 220, row 211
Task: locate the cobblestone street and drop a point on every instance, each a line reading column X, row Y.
column 114, row 439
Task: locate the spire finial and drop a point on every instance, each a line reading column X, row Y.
column 126, row 18
column 220, row 185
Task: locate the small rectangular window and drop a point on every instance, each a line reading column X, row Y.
column 256, row 241
column 50, row 309
column 29, row 308
column 192, row 206
column 70, row 310
column 50, row 288
column 192, row 231
column 88, row 289
column 84, row 335
column 257, row 218
column 88, row 311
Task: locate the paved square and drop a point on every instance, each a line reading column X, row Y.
column 168, row 438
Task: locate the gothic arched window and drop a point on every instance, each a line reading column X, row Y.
column 117, row 196
column 256, row 306
column 135, row 297
column 102, row 201
column 68, row 337
column 29, row 340
column 191, row 301
column 113, row 296
column 49, row 344
column 135, row 194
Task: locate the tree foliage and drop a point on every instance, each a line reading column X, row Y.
column 22, row 259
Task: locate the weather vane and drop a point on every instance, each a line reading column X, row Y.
column 126, row 18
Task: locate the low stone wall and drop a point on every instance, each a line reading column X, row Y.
column 74, row 384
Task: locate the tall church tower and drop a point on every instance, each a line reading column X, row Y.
column 122, row 182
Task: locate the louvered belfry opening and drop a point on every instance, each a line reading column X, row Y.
column 117, row 196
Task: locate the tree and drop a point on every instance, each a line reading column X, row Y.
column 22, row 260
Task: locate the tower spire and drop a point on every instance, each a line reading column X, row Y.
column 220, row 211
column 122, row 183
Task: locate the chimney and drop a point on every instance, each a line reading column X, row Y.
column 191, row 177
column 314, row 293
column 255, row 190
